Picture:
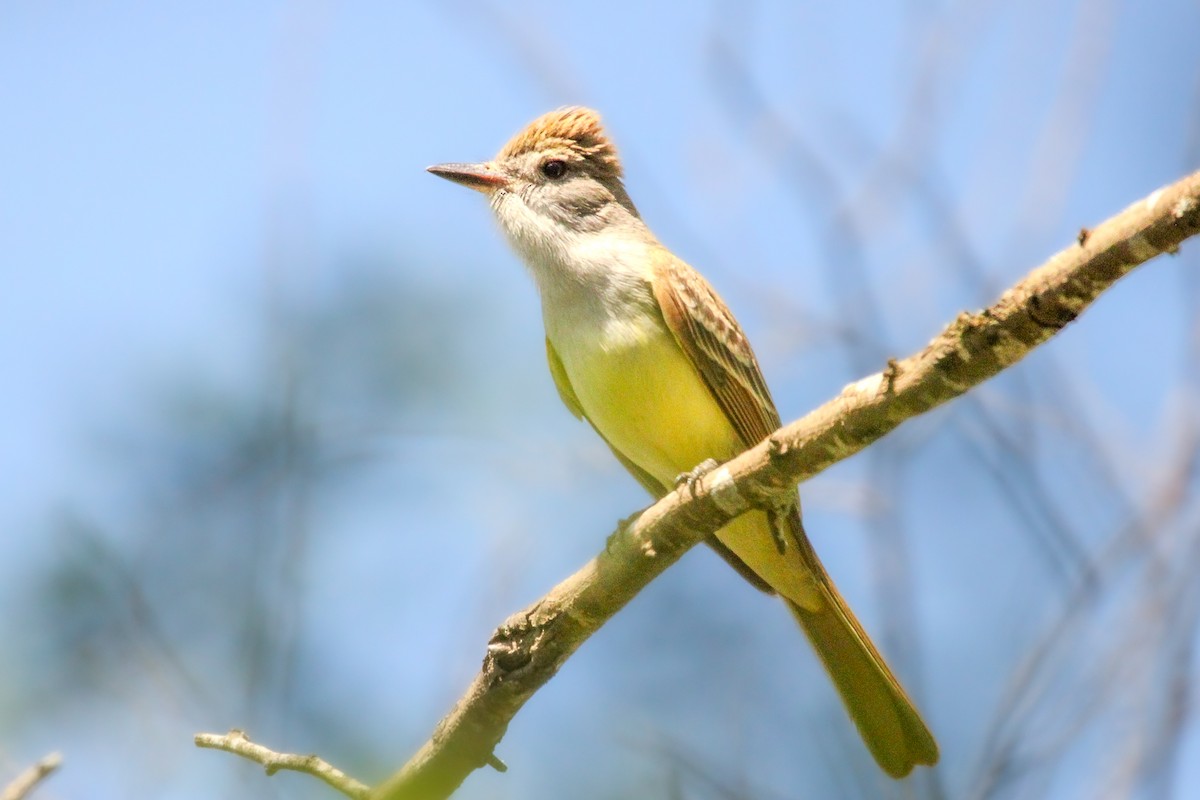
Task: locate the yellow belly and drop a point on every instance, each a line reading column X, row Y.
column 647, row 400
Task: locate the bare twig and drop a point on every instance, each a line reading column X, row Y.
column 23, row 784
column 236, row 742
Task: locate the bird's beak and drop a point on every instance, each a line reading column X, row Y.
column 480, row 177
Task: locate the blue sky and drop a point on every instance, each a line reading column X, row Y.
column 169, row 172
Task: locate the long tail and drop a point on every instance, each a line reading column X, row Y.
column 887, row 720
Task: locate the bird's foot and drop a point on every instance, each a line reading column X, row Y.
column 689, row 479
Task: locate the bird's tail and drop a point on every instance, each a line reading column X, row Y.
column 887, row 720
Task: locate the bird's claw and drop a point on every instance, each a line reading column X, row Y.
column 689, row 479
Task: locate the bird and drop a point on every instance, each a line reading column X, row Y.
column 643, row 348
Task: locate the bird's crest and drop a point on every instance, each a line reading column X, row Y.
column 575, row 130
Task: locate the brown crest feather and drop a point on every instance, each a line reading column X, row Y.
column 574, row 129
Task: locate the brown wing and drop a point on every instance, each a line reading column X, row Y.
column 713, row 340
column 571, row 400
column 708, row 333
column 705, row 329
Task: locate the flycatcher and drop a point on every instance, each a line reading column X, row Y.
column 642, row 348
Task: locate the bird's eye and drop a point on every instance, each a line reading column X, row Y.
column 554, row 169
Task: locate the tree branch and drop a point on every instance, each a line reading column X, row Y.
column 528, row 649
column 23, row 784
column 237, row 742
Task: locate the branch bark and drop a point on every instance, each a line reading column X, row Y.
column 530, row 647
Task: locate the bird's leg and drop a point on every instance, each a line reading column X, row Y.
column 776, row 521
column 689, row 479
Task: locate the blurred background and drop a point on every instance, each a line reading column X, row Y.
column 278, row 447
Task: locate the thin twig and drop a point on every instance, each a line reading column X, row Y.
column 236, row 742
column 23, row 784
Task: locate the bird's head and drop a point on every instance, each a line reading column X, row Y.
column 556, row 180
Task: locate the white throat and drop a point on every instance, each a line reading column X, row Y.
column 594, row 284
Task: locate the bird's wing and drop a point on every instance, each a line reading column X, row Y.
column 561, row 382
column 706, row 330
column 712, row 339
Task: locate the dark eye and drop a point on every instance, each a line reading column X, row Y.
column 554, row 169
